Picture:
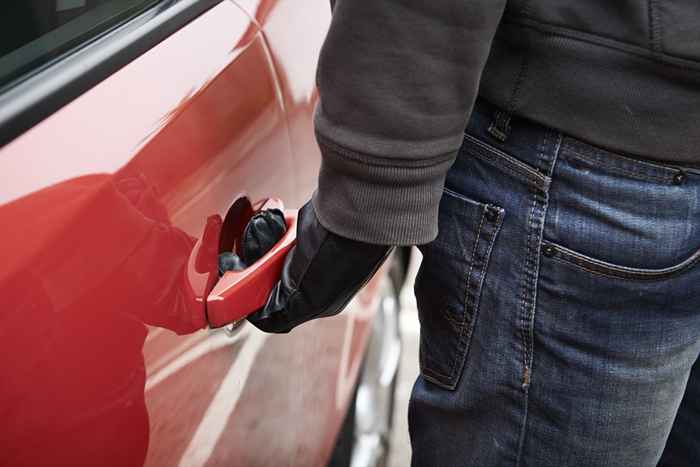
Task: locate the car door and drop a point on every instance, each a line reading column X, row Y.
column 301, row 384
column 294, row 32
column 117, row 146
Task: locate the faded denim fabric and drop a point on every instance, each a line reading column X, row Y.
column 559, row 307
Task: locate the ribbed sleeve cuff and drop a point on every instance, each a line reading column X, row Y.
column 377, row 200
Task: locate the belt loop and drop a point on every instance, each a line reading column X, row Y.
column 500, row 126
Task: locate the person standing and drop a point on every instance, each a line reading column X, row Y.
column 545, row 158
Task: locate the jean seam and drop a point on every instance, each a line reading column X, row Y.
column 577, row 257
column 461, row 356
column 436, row 373
column 464, row 337
column 628, row 277
column 523, row 318
column 620, row 170
column 550, row 142
column 523, row 325
column 524, row 285
column 526, row 288
column 658, row 169
column 494, row 160
column 463, row 323
column 490, row 238
column 498, row 157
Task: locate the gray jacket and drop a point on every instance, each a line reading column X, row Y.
column 398, row 79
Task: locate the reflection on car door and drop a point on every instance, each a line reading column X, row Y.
column 106, row 200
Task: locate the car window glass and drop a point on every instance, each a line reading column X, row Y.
column 35, row 32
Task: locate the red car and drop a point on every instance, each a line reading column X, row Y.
column 136, row 139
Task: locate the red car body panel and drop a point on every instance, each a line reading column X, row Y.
column 105, row 360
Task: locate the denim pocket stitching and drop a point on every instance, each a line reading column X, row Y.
column 601, row 158
column 473, row 299
column 463, row 325
column 464, row 340
column 485, row 237
column 568, row 155
column 507, row 162
column 461, row 197
column 603, row 268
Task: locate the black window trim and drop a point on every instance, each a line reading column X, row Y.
column 44, row 92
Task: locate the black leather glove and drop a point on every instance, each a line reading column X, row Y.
column 321, row 274
column 261, row 233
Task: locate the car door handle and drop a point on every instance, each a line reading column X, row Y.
column 240, row 293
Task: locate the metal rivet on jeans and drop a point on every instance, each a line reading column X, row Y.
column 679, row 178
column 491, row 214
column 549, row 250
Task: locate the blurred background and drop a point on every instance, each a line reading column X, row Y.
column 400, row 454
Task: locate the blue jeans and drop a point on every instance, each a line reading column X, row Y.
column 559, row 307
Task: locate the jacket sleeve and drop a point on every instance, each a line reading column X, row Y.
column 397, row 81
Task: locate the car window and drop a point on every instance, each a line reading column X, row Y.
column 35, row 32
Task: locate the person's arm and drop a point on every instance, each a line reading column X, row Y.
column 397, row 80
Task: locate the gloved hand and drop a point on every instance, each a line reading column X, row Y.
column 261, row 233
column 320, row 275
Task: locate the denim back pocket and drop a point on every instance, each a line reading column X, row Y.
column 448, row 285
